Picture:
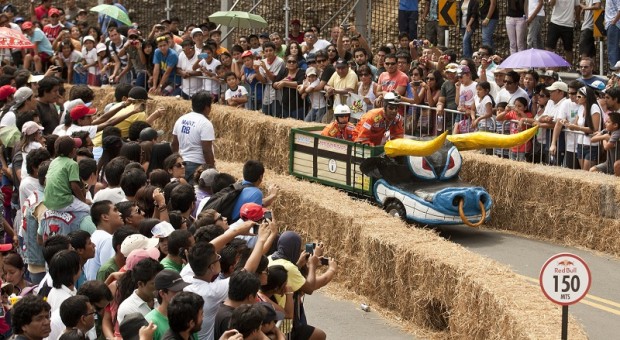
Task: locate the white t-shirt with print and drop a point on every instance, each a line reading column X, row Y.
column 481, row 109
column 581, row 121
column 190, row 85
column 212, row 86
column 191, row 130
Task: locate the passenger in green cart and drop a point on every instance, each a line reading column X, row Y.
column 341, row 128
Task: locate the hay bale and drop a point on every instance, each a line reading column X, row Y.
column 427, row 281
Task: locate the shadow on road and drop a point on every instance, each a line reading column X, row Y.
column 469, row 237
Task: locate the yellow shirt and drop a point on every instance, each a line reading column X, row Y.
column 295, row 280
column 348, row 82
column 124, row 125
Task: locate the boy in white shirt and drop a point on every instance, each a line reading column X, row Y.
column 235, row 95
column 307, row 89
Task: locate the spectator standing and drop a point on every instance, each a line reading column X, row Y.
column 53, row 29
column 468, row 21
column 490, row 13
column 243, row 290
column 586, row 68
column 535, row 21
column 253, row 172
column 516, row 25
column 75, row 312
column 117, row 262
column 318, row 103
column 31, row 317
column 108, row 219
column 586, row 37
column 408, row 18
column 64, row 269
column 185, row 316
column 266, row 73
column 434, row 32
column 165, row 80
column 168, row 284
column 447, row 99
column 207, row 65
column 190, row 83
column 563, row 19
column 287, row 80
column 612, row 25
column 42, row 50
column 193, row 135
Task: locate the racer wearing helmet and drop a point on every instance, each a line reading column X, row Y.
column 377, row 126
column 341, row 128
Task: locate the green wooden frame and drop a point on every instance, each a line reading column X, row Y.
column 352, row 150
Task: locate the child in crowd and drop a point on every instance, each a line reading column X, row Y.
column 64, row 190
column 105, row 65
column 236, row 95
column 518, row 114
column 501, row 128
column 307, row 89
column 249, row 78
column 90, row 61
column 482, row 111
column 66, row 57
column 609, row 137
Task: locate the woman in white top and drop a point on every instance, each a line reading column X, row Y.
column 482, row 111
column 588, row 121
column 367, row 88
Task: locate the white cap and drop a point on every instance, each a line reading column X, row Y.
column 101, row 47
column 194, row 31
column 137, row 241
column 88, row 37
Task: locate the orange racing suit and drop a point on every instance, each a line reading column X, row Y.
column 372, row 126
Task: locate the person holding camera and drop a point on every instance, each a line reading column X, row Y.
column 256, row 215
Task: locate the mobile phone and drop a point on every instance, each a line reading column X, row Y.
column 324, row 261
column 416, row 83
column 268, row 215
column 202, row 56
column 255, row 228
column 345, row 27
column 257, row 62
column 310, row 248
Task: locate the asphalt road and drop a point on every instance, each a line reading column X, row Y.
column 598, row 311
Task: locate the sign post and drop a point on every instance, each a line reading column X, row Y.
column 565, row 279
column 447, row 16
column 599, row 31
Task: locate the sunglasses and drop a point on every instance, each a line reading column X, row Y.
column 510, row 82
column 311, row 62
column 180, row 165
column 291, row 62
column 572, row 93
column 160, row 39
column 579, row 96
column 320, row 60
column 430, row 78
column 390, row 64
column 364, row 74
column 542, row 95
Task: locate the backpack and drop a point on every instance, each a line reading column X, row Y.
column 224, row 200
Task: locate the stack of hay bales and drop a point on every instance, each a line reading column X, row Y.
column 572, row 207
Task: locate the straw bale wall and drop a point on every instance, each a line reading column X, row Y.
column 572, row 207
column 429, row 282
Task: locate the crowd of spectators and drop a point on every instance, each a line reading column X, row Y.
column 107, row 230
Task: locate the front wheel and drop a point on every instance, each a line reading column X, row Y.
column 396, row 209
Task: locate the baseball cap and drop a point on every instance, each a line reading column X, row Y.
column 31, row 127
column 551, row 74
column 264, row 35
column 271, row 314
column 207, row 176
column 139, row 93
column 138, row 255
column 162, row 229
column 130, row 326
column 82, row 11
column 171, row 280
column 311, row 57
column 87, row 38
column 252, row 211
column 149, row 133
column 463, row 69
column 27, row 25
column 310, row 71
column 22, row 94
column 596, row 85
column 558, row 85
column 341, row 63
column 452, row 68
column 6, row 247
column 53, row 11
column 616, row 67
column 6, row 91
column 100, row 47
column 137, row 241
column 81, row 111
column 18, row 20
column 196, row 30
column 247, row 54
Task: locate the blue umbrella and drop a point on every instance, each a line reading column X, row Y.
column 534, row 58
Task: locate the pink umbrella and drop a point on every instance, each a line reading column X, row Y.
column 10, row 38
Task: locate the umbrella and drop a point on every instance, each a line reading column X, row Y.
column 113, row 12
column 534, row 58
column 10, row 38
column 238, row 19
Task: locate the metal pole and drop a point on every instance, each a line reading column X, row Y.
column 601, row 69
column 564, row 322
column 168, row 8
column 287, row 19
column 333, row 16
column 346, row 17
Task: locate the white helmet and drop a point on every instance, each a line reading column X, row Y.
column 391, row 98
column 342, row 110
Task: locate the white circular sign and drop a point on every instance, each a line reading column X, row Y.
column 565, row 279
column 332, row 166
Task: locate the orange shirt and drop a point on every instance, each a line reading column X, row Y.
column 333, row 130
column 372, row 126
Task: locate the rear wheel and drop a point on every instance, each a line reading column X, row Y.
column 395, row 208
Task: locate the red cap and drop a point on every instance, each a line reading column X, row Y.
column 252, row 211
column 27, row 25
column 53, row 11
column 247, row 54
column 6, row 91
column 81, row 111
column 5, row 247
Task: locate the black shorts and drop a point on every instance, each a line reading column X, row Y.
column 586, row 43
column 556, row 32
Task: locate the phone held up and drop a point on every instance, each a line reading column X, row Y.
column 310, row 248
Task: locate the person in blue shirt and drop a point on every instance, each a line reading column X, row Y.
column 165, row 80
column 42, row 47
column 408, row 18
column 253, row 172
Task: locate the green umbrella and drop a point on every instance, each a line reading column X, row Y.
column 238, row 19
column 113, row 12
